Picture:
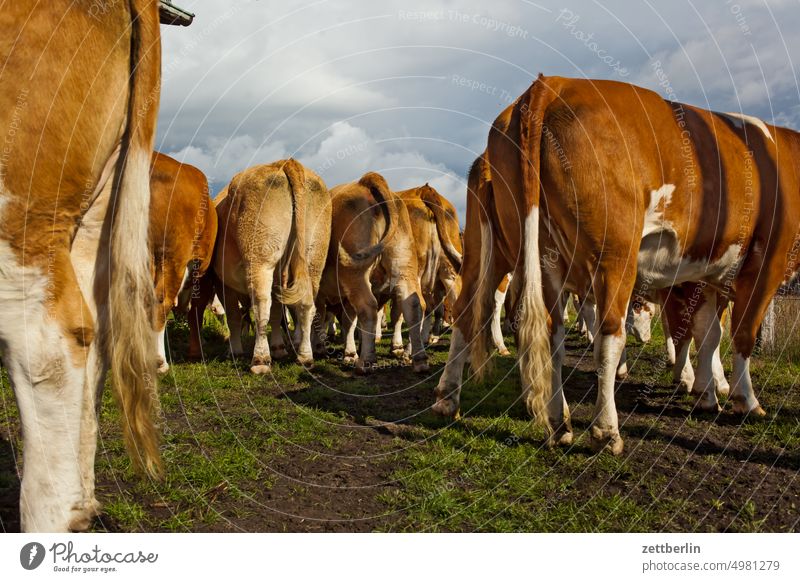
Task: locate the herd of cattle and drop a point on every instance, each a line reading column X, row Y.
column 596, row 189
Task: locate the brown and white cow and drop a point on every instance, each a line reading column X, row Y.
column 372, row 252
column 183, row 229
column 635, row 192
column 437, row 241
column 275, row 222
column 79, row 93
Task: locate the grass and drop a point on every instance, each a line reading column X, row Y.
column 322, row 450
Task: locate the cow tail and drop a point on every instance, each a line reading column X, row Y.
column 442, row 217
column 483, row 304
column 130, row 341
column 534, row 330
column 387, row 202
column 300, row 289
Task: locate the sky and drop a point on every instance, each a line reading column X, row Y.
column 410, row 88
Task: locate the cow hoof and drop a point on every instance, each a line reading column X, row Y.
column 421, row 366
column 740, row 407
column 350, row 358
column 261, row 369
column 278, row 352
column 561, row 437
column 434, row 339
column 504, row 352
column 163, row 367
column 601, row 440
column 560, row 440
column 622, row 372
column 724, row 390
column 708, row 406
column 81, row 519
column 399, row 352
column 306, row 361
column 364, row 368
column 684, row 387
column 446, row 407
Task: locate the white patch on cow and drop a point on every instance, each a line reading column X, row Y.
column 622, row 367
column 654, row 215
column 639, row 324
column 670, row 350
column 723, row 388
column 608, row 350
column 683, row 371
column 163, row 365
column 217, row 308
column 397, row 335
column 742, row 394
column 660, row 263
column 739, row 119
column 497, row 330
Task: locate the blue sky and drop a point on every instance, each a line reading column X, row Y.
column 409, row 88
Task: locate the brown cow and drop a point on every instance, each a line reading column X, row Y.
column 437, row 241
column 183, row 229
column 79, row 93
column 372, row 247
column 702, row 197
column 275, row 222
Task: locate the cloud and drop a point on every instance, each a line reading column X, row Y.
column 345, row 152
column 416, row 85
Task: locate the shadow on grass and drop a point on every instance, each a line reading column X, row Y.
column 9, row 489
column 394, row 395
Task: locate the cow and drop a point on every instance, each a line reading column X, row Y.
column 78, row 118
column 275, row 222
column 183, row 230
column 702, row 197
column 372, row 253
column 437, row 242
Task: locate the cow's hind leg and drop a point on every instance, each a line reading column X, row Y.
column 168, row 284
column 202, row 291
column 230, row 301
column 497, row 328
column 707, row 334
column 557, row 408
column 398, row 350
column 45, row 349
column 260, row 278
column 448, row 390
column 408, row 296
column 366, row 307
column 277, row 342
column 304, row 322
column 752, row 301
column 349, row 322
column 612, row 308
